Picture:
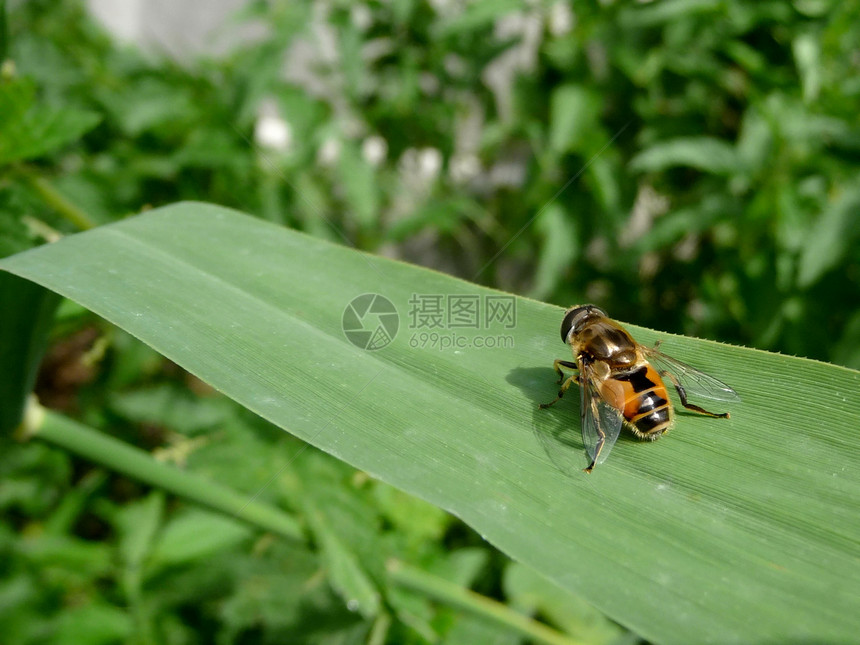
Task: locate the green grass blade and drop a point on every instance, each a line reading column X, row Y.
column 137, row 463
column 26, row 314
column 491, row 610
column 739, row 530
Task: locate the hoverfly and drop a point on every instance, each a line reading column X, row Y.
column 620, row 386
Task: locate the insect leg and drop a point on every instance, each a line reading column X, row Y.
column 683, row 394
column 564, row 387
column 567, row 364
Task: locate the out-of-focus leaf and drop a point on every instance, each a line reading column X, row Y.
column 4, row 33
column 34, row 477
column 439, row 216
column 72, row 558
column 751, row 59
column 146, row 104
column 465, row 629
column 93, row 624
column 29, row 130
column 314, row 206
column 14, row 236
column 703, row 153
column 461, row 566
column 531, row 593
column 755, row 144
column 803, row 128
column 286, row 593
column 209, row 148
column 138, row 523
column 476, row 15
column 603, row 172
column 411, row 516
column 166, row 406
column 830, row 239
column 807, row 56
column 847, row 349
column 666, row 11
column 344, row 526
column 359, row 185
column 197, row 534
column 675, row 225
column 344, row 570
column 572, row 117
column 559, row 251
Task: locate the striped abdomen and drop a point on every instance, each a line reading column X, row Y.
column 642, row 399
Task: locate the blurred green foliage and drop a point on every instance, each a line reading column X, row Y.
column 690, row 165
column 712, row 147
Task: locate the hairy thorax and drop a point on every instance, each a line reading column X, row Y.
column 606, row 342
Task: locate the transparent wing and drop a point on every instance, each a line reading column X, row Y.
column 692, row 380
column 601, row 423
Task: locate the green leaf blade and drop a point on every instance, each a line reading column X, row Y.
column 707, row 154
column 744, row 529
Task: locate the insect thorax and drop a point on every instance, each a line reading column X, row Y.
column 603, row 342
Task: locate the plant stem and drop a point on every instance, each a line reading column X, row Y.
column 55, row 199
column 456, row 596
column 379, row 631
column 139, row 464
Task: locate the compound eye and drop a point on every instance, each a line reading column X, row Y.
column 567, row 324
column 576, row 317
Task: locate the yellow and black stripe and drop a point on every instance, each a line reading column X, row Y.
column 646, row 407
